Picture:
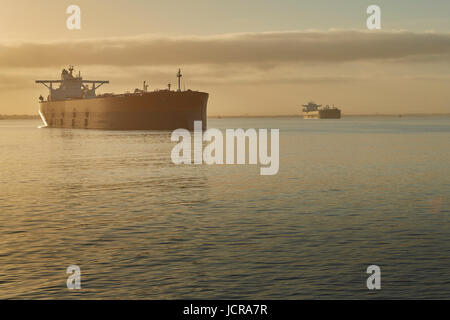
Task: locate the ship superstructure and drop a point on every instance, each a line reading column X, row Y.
column 316, row 111
column 71, row 87
column 75, row 104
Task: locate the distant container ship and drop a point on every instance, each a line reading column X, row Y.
column 315, row 111
column 74, row 104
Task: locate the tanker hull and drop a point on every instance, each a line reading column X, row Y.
column 322, row 114
column 159, row 110
column 330, row 114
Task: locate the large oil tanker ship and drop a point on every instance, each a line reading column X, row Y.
column 75, row 104
column 315, row 111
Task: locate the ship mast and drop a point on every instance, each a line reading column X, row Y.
column 179, row 75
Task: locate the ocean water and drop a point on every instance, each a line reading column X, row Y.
column 349, row 193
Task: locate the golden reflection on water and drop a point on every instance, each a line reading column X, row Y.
column 349, row 193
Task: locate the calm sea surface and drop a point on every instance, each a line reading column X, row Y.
column 349, row 194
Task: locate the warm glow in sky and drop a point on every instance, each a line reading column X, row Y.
column 253, row 57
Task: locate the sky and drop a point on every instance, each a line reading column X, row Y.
column 254, row 57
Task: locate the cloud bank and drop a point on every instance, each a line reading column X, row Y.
column 243, row 48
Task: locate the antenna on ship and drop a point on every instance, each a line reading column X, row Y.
column 179, row 75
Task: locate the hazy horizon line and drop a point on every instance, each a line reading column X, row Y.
column 36, row 116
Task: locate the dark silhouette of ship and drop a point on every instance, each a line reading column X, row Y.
column 75, row 104
column 315, row 111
